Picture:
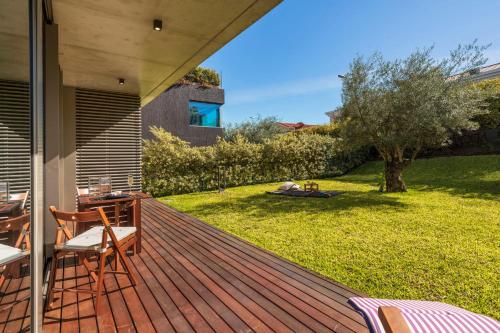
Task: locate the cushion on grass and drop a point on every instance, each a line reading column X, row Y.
column 92, row 238
column 10, row 253
column 423, row 316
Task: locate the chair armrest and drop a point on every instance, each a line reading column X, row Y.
column 392, row 320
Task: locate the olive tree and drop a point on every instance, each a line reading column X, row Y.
column 405, row 105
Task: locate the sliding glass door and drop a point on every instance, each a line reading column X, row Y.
column 16, row 202
column 21, row 165
column 37, row 116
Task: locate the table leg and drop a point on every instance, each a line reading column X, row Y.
column 137, row 224
column 117, row 214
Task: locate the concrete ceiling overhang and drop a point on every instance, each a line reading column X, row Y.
column 101, row 41
column 14, row 42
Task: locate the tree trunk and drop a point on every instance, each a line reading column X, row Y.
column 394, row 175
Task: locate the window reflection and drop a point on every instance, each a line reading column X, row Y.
column 204, row 114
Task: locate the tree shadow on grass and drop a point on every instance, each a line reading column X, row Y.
column 468, row 177
column 482, row 189
column 262, row 205
column 466, row 188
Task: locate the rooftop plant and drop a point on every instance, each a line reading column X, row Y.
column 204, row 76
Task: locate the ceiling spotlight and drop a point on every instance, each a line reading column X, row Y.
column 121, row 82
column 157, row 25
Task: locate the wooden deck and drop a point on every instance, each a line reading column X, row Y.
column 195, row 278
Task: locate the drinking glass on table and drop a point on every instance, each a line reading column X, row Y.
column 105, row 185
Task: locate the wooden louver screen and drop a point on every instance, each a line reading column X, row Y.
column 108, row 137
column 15, row 135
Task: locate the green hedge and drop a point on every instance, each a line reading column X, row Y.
column 172, row 166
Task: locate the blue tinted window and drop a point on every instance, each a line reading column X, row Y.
column 204, row 114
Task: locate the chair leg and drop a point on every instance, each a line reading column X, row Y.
column 52, row 281
column 120, row 252
column 100, row 282
column 115, row 262
column 87, row 265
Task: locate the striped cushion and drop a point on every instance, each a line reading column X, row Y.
column 423, row 316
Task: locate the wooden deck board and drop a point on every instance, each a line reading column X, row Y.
column 300, row 290
column 193, row 277
column 244, row 278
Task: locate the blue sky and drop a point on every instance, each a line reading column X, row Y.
column 286, row 64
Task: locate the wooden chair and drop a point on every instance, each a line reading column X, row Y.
column 392, row 320
column 21, row 197
column 11, row 257
column 103, row 241
column 311, row 187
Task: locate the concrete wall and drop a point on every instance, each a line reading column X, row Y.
column 170, row 111
column 68, row 149
column 53, row 115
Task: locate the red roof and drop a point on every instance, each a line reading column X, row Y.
column 294, row 126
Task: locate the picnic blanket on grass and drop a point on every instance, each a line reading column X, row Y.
column 306, row 194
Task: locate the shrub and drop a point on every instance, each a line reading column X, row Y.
column 172, row 166
column 491, row 91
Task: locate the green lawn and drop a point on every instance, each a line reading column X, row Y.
column 439, row 241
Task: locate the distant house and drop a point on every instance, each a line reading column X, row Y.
column 483, row 73
column 188, row 111
column 334, row 115
column 294, row 126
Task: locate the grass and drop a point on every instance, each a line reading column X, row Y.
column 439, row 241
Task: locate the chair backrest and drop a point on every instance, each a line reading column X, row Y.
column 125, row 206
column 21, row 224
column 111, row 209
column 22, row 197
column 63, row 218
column 108, row 230
column 82, row 191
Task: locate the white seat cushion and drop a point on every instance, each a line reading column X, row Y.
column 92, row 238
column 9, row 253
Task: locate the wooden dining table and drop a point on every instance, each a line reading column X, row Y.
column 112, row 207
column 10, row 209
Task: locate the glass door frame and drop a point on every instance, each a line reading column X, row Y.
column 37, row 107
